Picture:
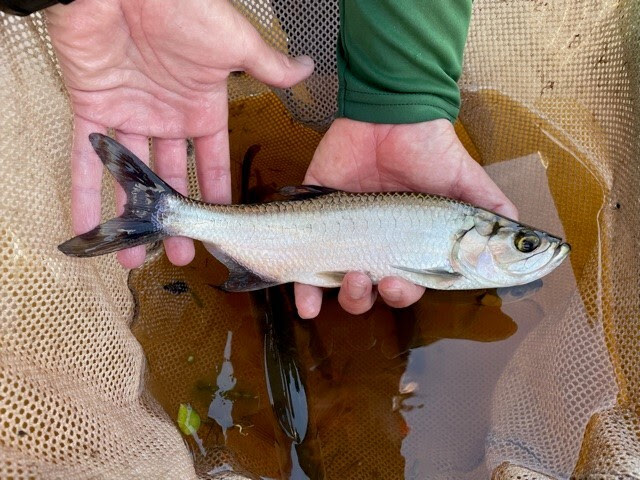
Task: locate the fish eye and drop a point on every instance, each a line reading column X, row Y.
column 527, row 241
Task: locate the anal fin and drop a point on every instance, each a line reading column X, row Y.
column 240, row 279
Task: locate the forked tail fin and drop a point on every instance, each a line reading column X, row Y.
column 140, row 223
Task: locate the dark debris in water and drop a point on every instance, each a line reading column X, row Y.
column 178, row 287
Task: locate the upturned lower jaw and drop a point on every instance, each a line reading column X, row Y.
column 562, row 251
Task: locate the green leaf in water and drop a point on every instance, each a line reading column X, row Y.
column 188, row 419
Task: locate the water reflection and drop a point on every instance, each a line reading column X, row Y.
column 222, row 403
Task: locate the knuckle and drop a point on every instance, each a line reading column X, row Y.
column 216, row 173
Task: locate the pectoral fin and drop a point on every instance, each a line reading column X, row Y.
column 240, row 279
column 441, row 277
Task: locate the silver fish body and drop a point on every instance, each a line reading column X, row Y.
column 429, row 240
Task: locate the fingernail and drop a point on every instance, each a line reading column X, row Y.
column 393, row 294
column 305, row 60
column 357, row 289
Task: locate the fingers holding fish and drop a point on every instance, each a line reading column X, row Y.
column 212, row 166
column 308, row 300
column 138, row 145
column 399, row 293
column 473, row 185
column 170, row 162
column 86, row 177
column 356, row 294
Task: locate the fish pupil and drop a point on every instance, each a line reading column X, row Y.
column 527, row 242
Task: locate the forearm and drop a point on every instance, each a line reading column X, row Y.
column 399, row 62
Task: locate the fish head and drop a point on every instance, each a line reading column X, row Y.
column 499, row 252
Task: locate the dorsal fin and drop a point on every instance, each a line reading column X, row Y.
column 302, row 192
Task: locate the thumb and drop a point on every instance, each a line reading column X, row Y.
column 272, row 67
column 475, row 186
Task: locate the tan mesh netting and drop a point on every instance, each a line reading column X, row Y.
column 457, row 387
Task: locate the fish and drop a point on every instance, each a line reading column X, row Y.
column 318, row 234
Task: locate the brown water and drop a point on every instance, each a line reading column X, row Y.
column 389, row 394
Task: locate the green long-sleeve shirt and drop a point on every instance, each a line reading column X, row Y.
column 399, row 60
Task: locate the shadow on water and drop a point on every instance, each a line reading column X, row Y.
column 408, row 393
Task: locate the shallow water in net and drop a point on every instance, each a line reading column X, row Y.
column 449, row 388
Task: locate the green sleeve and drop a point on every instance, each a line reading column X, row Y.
column 399, row 60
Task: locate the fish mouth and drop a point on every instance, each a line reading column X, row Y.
column 561, row 252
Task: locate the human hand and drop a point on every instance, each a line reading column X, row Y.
column 422, row 157
column 157, row 68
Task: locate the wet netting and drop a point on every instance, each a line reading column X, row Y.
column 95, row 363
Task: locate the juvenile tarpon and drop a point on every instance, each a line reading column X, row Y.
column 320, row 234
